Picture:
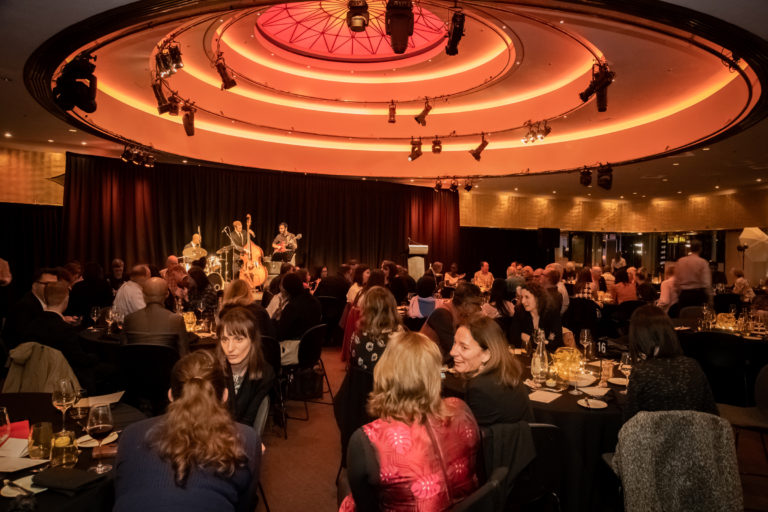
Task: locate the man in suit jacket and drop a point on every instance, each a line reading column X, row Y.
column 300, row 313
column 155, row 319
column 21, row 314
column 336, row 286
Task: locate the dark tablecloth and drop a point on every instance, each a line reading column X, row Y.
column 590, row 433
column 37, row 407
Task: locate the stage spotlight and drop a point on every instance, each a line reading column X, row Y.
column 605, row 177
column 454, row 185
column 602, row 77
column 76, row 85
column 399, row 24
column 189, row 119
column 174, row 53
column 437, row 146
column 468, row 185
column 542, row 131
column 438, row 185
column 127, row 155
column 479, row 149
column 357, row 15
column 415, row 149
column 163, row 63
column 455, row 34
column 149, row 161
column 163, row 105
column 392, row 111
column 227, row 80
column 585, row 177
column 422, row 117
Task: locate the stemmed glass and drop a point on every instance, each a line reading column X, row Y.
column 585, row 338
column 109, row 317
column 95, row 313
column 99, row 426
column 5, row 426
column 63, row 397
column 625, row 367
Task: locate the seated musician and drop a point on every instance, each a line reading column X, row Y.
column 284, row 244
column 195, row 243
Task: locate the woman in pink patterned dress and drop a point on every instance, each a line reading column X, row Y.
column 420, row 454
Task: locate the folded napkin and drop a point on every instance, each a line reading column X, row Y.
column 67, row 481
column 14, row 448
column 20, row 429
column 543, row 396
column 595, row 391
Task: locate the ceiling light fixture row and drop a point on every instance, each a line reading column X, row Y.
column 437, row 147
column 536, row 131
column 168, row 59
column 137, row 156
column 604, row 176
column 454, row 185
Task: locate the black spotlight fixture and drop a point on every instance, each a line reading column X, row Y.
column 415, row 149
column 468, row 185
column 422, row 117
column 175, row 55
column 357, row 15
column 438, row 185
column 164, row 105
column 455, row 34
column 76, row 85
column 163, row 63
column 398, row 21
column 602, row 77
column 479, row 149
column 605, row 177
column 392, row 111
column 189, row 119
column 585, row 177
column 454, row 185
column 542, row 130
column 437, row 145
column 127, row 156
column 227, row 80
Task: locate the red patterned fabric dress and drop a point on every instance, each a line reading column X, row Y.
column 424, row 468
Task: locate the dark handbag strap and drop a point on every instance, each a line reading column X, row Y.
column 439, row 452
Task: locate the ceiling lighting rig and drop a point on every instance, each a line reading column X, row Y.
column 479, row 149
column 188, row 119
column 437, row 145
column 438, row 185
column 602, row 77
column 227, row 79
column 76, row 85
column 399, row 24
column 357, row 15
column 165, row 105
column 137, row 156
column 415, row 149
column 455, row 34
column 585, row 176
column 168, row 60
column 422, row 117
column 605, row 176
column 454, row 186
column 536, row 131
column 392, row 111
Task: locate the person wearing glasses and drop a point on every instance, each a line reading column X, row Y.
column 28, row 307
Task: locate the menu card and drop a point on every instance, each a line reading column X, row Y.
column 543, row 396
column 100, row 400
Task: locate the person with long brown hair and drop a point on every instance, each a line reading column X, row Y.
column 494, row 389
column 441, row 325
column 399, row 461
column 378, row 321
column 535, row 311
column 240, row 294
column 249, row 376
column 193, row 458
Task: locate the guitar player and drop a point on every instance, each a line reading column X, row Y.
column 284, row 244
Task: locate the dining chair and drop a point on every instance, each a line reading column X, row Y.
column 145, row 371
column 258, row 425
column 271, row 350
column 540, row 486
column 310, row 352
column 488, row 497
column 723, row 358
column 751, row 418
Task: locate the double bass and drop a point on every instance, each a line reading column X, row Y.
column 252, row 269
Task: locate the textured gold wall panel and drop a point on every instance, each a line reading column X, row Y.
column 730, row 210
column 24, row 176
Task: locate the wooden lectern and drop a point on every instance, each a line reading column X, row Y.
column 416, row 254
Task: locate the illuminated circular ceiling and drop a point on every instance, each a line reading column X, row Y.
column 312, row 96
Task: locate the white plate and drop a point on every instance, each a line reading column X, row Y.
column 582, row 381
column 25, row 482
column 87, row 441
column 592, row 404
column 619, row 381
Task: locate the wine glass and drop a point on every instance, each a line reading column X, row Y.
column 5, row 426
column 585, row 338
column 95, row 313
column 118, row 318
column 99, row 426
column 63, row 397
column 80, row 410
column 625, row 367
column 109, row 317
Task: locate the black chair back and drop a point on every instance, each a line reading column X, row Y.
column 311, row 346
column 489, row 497
column 349, row 405
column 414, row 324
column 146, row 375
column 543, row 480
column 691, row 313
column 723, row 302
column 270, row 347
column 723, row 358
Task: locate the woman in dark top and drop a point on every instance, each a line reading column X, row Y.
column 378, row 321
column 394, row 282
column 202, row 297
column 193, row 458
column 662, row 378
column 495, row 392
column 249, row 376
column 645, row 290
column 301, row 312
column 536, row 311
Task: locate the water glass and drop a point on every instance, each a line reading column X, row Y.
column 64, row 449
column 79, row 411
column 39, row 440
column 5, row 426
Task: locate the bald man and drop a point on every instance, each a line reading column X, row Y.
column 154, row 324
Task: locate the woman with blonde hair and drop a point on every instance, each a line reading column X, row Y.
column 494, row 389
column 420, row 453
column 193, row 458
column 379, row 319
column 240, row 294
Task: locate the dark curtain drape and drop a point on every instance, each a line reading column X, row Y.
column 115, row 209
column 30, row 238
column 500, row 247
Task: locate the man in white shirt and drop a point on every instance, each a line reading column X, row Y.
column 693, row 278
column 483, row 278
column 130, row 296
column 668, row 295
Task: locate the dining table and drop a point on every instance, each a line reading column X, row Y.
column 37, row 407
column 590, row 432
